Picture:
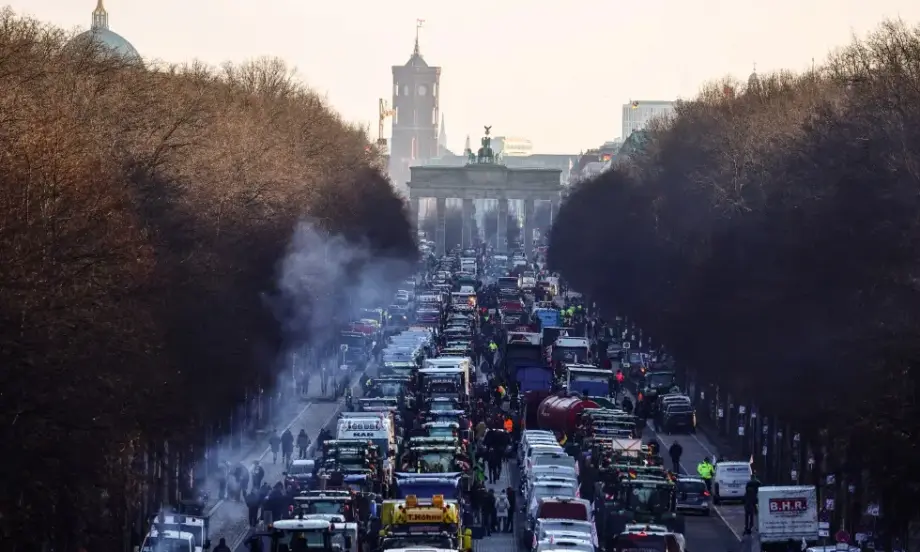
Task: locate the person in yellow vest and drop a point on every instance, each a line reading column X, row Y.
column 400, row 516
column 705, row 470
column 448, row 517
column 467, row 539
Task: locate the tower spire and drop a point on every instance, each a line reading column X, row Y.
column 100, row 17
column 419, row 23
column 442, row 135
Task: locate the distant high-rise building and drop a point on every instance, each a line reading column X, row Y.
column 638, row 114
column 415, row 121
column 509, row 146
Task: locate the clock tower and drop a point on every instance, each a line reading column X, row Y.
column 416, row 114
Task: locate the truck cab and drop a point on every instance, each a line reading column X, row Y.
column 301, row 535
column 197, row 526
column 168, row 541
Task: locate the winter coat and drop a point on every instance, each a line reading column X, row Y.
column 502, row 506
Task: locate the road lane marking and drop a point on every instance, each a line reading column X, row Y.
column 705, row 448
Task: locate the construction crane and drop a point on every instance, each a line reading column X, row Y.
column 384, row 111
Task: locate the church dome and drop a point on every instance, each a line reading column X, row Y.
column 100, row 33
column 111, row 40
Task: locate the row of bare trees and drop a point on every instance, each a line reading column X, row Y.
column 769, row 235
column 143, row 213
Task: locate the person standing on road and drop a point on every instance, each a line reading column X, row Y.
column 705, row 470
column 287, row 446
column 675, row 452
column 253, row 502
column 275, row 443
column 303, row 443
column 258, row 474
column 495, row 464
column 488, row 513
column 222, row 474
column 750, row 502
column 242, row 474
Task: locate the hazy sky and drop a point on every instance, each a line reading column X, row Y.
column 555, row 72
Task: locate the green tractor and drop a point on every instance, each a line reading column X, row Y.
column 647, row 501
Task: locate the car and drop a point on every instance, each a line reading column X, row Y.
column 564, row 543
column 729, row 481
column 692, row 495
column 650, row 539
column 570, row 528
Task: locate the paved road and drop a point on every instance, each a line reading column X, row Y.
column 723, row 529
column 315, row 415
column 502, row 542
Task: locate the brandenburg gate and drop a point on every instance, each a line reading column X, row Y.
column 483, row 178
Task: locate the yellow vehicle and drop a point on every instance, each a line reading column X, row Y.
column 441, row 515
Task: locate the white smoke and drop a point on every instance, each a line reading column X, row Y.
column 326, row 279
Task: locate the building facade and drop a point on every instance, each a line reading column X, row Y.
column 638, row 114
column 509, row 146
column 416, row 106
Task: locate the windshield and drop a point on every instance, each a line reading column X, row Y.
column 428, row 489
column 156, row 544
column 353, row 342
column 323, row 507
column 650, row 498
column 389, row 389
column 544, row 491
column 441, row 431
column 297, row 469
column 565, row 527
column 300, row 540
column 421, row 540
column 691, row 486
column 659, row 379
column 570, row 354
column 437, row 461
column 197, row 531
column 563, row 510
column 381, row 403
column 443, row 405
column 640, row 543
column 553, row 460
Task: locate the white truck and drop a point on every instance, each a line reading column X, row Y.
column 787, row 513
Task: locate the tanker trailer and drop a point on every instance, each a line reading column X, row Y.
column 560, row 414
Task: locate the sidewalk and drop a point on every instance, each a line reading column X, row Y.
column 501, row 542
column 230, row 519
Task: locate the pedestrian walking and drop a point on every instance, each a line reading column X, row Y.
column 502, row 508
column 675, row 452
column 274, row 442
column 303, row 443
